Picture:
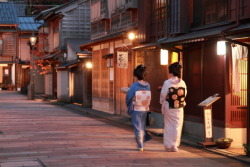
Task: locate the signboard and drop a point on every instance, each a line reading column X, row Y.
column 122, row 59
column 209, row 101
column 208, row 123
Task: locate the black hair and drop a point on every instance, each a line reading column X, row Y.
column 175, row 69
column 140, row 72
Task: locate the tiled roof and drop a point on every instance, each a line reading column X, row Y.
column 48, row 12
column 8, row 13
column 75, row 43
column 204, row 33
column 28, row 24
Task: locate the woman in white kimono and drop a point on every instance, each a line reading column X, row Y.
column 172, row 98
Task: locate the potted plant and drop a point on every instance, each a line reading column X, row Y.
column 246, row 149
column 223, row 142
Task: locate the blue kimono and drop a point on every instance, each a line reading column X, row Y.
column 138, row 99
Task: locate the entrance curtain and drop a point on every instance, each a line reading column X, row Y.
column 238, row 52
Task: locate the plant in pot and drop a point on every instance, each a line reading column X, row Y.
column 246, row 149
column 223, row 142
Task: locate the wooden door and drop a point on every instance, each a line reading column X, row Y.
column 123, row 78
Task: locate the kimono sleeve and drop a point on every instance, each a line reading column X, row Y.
column 164, row 92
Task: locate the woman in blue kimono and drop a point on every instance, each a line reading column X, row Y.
column 138, row 99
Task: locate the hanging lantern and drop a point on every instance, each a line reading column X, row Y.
column 164, row 57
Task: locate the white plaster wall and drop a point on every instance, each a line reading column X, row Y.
column 48, row 84
column 63, row 86
column 239, row 135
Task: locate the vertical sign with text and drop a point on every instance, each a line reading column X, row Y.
column 208, row 123
column 122, row 59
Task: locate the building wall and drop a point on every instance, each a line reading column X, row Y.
column 107, row 81
column 71, row 54
column 39, row 83
column 24, row 50
column 63, row 85
column 48, row 82
column 237, row 134
column 76, row 22
column 205, row 75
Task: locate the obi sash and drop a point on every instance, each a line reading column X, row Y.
column 142, row 100
column 176, row 97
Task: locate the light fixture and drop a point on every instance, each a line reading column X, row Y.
column 131, row 36
column 33, row 39
column 110, row 62
column 164, row 57
column 221, row 48
column 88, row 65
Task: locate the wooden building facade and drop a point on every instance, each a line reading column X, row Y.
column 15, row 54
column 8, row 45
column 67, row 21
column 111, row 21
column 204, row 71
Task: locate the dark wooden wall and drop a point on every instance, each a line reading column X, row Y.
column 204, row 74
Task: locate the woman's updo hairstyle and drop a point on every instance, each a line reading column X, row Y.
column 140, row 72
column 175, row 69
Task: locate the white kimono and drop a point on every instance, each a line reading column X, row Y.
column 173, row 110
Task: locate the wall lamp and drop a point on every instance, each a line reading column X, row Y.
column 88, row 65
column 131, row 36
column 221, row 48
column 164, row 57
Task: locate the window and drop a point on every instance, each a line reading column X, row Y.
column 95, row 11
column 209, row 12
column 158, row 18
column 215, row 11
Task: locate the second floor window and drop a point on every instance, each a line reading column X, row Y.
column 215, row 11
column 209, row 11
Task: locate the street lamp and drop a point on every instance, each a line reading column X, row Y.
column 31, row 87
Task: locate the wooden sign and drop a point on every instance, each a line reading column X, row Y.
column 209, row 101
column 122, row 59
column 208, row 123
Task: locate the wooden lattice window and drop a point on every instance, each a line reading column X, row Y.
column 239, row 99
column 8, row 44
column 158, row 19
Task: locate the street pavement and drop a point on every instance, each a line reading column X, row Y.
column 39, row 134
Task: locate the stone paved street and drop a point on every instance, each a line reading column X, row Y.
column 38, row 134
